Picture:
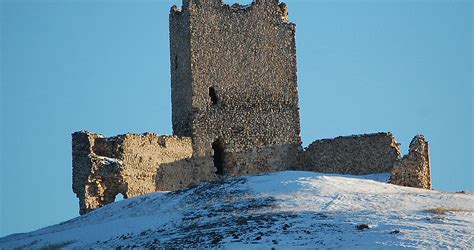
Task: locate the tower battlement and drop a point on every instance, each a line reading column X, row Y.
column 219, row 5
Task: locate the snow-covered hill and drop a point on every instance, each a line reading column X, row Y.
column 280, row 210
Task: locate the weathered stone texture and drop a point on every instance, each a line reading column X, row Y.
column 413, row 170
column 126, row 164
column 138, row 164
column 262, row 160
column 237, row 66
column 235, row 109
column 181, row 78
column 83, row 165
column 357, row 154
column 185, row 173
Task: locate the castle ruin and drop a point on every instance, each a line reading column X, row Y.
column 233, row 83
column 234, row 112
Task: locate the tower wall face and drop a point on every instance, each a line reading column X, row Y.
column 243, row 79
column 180, row 62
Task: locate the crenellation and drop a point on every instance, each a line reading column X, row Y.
column 175, row 10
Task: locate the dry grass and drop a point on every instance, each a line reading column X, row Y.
column 442, row 211
column 57, row 246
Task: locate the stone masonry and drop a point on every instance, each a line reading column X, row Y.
column 358, row 154
column 370, row 154
column 126, row 164
column 413, row 170
column 233, row 72
column 235, row 112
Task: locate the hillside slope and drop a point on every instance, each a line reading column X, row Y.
column 286, row 209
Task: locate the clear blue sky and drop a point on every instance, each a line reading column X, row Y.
column 363, row 66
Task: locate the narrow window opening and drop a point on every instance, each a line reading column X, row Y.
column 175, row 62
column 213, row 95
column 218, row 148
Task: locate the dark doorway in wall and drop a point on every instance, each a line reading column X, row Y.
column 218, row 148
column 213, row 95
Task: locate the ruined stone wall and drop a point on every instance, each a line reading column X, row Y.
column 413, row 170
column 185, row 173
column 144, row 154
column 242, row 77
column 139, row 164
column 235, row 112
column 369, row 154
column 197, row 170
column 262, row 160
column 358, row 154
column 85, row 168
column 126, row 164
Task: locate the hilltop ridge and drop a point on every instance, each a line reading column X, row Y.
column 284, row 209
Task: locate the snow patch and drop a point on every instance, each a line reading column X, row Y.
column 281, row 210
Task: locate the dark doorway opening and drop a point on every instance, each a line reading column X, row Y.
column 218, row 148
column 213, row 95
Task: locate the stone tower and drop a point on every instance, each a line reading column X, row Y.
column 235, row 112
column 234, row 86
